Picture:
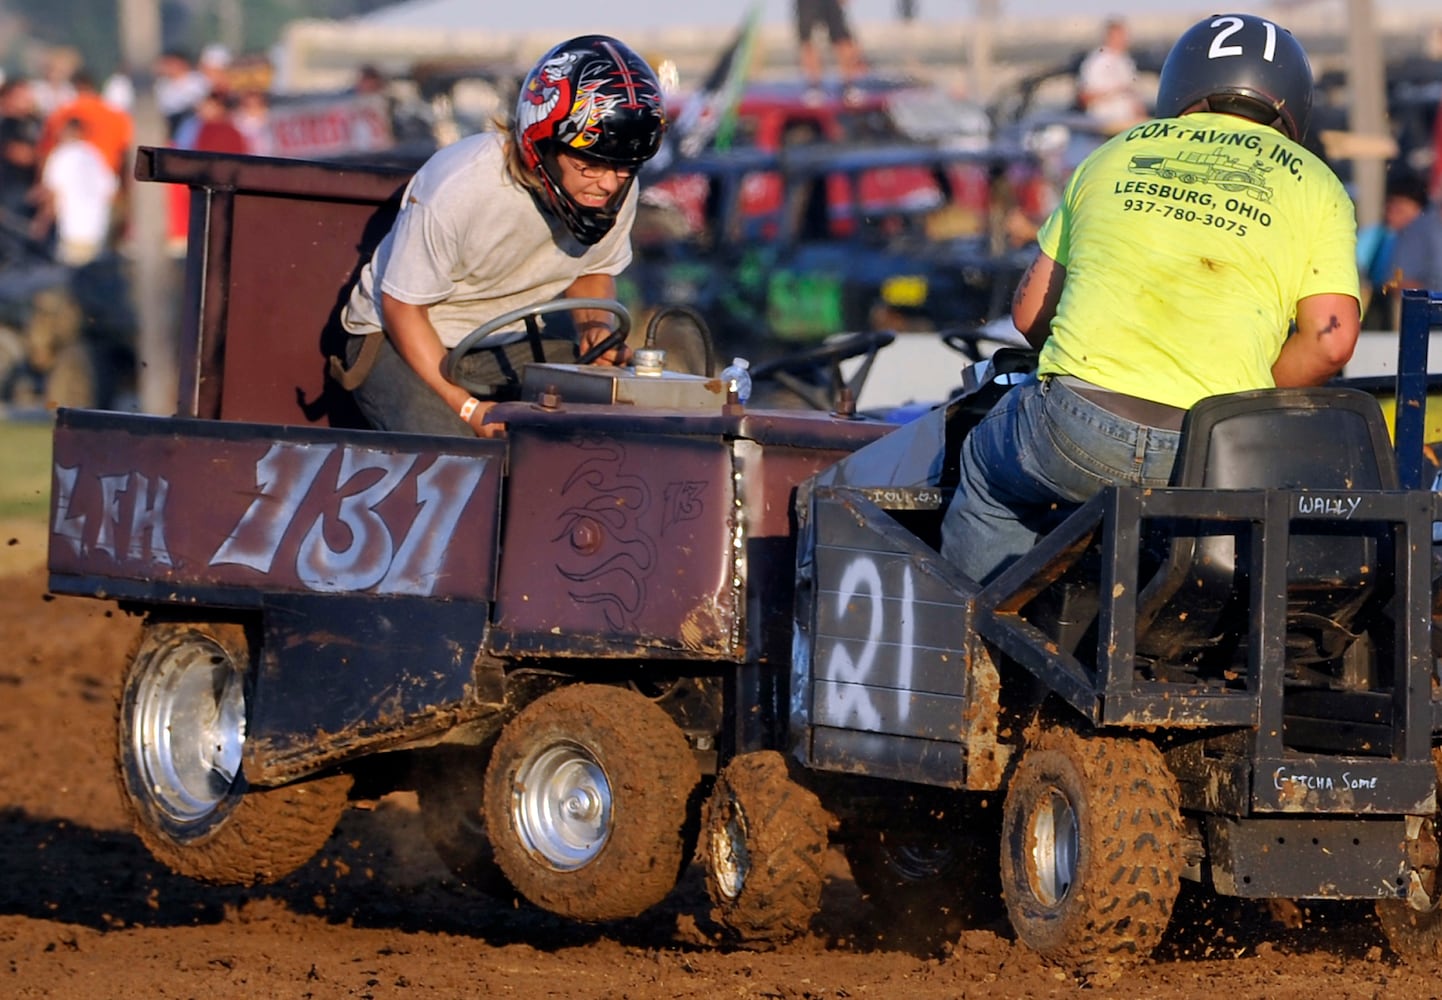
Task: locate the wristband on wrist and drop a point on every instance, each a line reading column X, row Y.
column 468, row 408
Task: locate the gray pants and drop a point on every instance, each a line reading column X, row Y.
column 394, row 398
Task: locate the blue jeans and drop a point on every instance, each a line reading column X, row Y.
column 1041, row 452
column 394, row 398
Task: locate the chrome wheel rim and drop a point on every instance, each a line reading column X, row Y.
column 1054, row 843
column 561, row 806
column 730, row 861
column 190, row 727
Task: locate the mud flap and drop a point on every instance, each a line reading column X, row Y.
column 342, row 676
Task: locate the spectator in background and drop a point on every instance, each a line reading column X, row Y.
column 812, row 15
column 369, row 80
column 53, row 87
column 211, row 127
column 214, row 65
column 1406, row 200
column 179, row 86
column 118, row 91
column 1107, row 81
column 1417, row 253
column 1434, row 186
column 252, row 117
column 80, row 188
column 19, row 168
column 105, row 126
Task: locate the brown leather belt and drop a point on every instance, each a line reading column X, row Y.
column 1133, row 408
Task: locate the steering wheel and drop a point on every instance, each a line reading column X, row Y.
column 789, row 371
column 998, row 333
column 476, row 339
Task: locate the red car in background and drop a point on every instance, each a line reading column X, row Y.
column 774, row 116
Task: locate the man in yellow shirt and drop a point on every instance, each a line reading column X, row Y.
column 1182, row 253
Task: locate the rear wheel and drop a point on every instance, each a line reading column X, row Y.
column 1091, row 849
column 763, row 841
column 586, row 800
column 181, row 726
column 1412, row 933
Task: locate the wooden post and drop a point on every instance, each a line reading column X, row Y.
column 153, row 274
column 1367, row 111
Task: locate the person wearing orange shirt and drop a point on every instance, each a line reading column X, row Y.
column 103, row 125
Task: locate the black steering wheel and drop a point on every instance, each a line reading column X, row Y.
column 476, row 339
column 791, row 371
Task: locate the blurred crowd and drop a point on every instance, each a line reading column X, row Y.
column 67, row 141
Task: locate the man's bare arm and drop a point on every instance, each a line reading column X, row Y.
column 1326, row 336
column 416, row 341
column 1034, row 305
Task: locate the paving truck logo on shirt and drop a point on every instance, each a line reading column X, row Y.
column 1218, row 167
column 1213, row 187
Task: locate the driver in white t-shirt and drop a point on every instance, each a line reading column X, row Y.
column 502, row 220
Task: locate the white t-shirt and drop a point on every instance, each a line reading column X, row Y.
column 84, row 187
column 472, row 244
column 1107, row 79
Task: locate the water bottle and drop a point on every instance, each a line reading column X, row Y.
column 736, row 377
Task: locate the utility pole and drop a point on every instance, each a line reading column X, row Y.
column 230, row 18
column 152, row 276
column 983, row 44
column 1367, row 110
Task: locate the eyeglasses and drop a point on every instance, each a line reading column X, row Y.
column 593, row 170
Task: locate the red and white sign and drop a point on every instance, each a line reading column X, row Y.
column 329, row 126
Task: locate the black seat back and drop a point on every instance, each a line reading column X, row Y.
column 1323, row 438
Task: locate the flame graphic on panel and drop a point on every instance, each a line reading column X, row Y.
column 611, row 555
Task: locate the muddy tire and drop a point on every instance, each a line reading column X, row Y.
column 931, row 872
column 181, row 726
column 450, row 786
column 763, row 844
column 1412, row 934
column 1091, row 849
column 586, row 801
column 1415, row 934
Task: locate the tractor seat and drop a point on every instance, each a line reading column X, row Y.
column 1323, row 438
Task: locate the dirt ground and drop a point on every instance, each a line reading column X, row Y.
column 86, row 913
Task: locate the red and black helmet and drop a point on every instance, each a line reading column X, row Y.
column 595, row 97
column 1243, row 65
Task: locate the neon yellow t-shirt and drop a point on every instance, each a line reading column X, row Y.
column 1187, row 243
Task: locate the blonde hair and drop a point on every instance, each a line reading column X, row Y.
column 516, row 168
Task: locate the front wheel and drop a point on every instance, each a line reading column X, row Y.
column 1091, row 849
column 181, row 726
column 763, row 841
column 586, row 801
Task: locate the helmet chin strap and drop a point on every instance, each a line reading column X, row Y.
column 588, row 225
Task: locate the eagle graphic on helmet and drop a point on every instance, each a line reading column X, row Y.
column 595, row 96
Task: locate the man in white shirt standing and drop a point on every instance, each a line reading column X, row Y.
column 80, row 188
column 1107, row 81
